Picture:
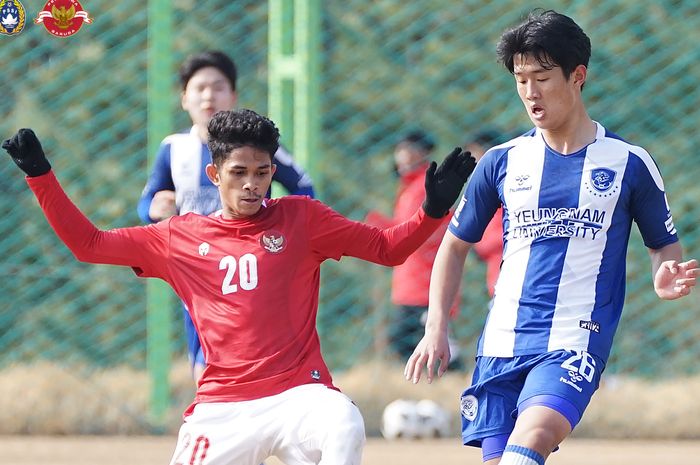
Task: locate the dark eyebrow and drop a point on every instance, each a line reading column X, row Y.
column 537, row 71
column 259, row 167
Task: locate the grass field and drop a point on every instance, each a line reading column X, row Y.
column 143, row 450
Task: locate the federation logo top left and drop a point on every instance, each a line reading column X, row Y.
column 12, row 16
column 63, row 18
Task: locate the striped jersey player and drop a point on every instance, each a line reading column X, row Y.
column 570, row 191
column 567, row 221
column 250, row 277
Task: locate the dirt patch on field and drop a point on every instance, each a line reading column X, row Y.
column 106, row 450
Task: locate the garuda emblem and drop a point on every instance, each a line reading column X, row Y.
column 273, row 241
column 63, row 18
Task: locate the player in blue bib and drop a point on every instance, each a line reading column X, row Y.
column 570, row 191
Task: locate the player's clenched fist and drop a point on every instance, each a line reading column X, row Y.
column 25, row 150
column 444, row 183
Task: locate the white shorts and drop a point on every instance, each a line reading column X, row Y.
column 309, row 424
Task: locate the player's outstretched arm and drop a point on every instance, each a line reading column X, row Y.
column 444, row 183
column 391, row 246
column 135, row 247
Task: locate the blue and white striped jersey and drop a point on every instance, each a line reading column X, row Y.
column 180, row 166
column 566, row 222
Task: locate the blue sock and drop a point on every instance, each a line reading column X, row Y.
column 518, row 455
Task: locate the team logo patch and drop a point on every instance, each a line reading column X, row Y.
column 63, row 18
column 12, row 17
column 315, row 375
column 469, row 407
column 203, row 249
column 273, row 241
column 602, row 179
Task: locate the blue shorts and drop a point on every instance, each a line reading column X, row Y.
column 563, row 380
column 194, row 348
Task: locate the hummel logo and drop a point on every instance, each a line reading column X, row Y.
column 522, row 178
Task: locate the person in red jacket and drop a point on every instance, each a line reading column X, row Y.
column 410, row 282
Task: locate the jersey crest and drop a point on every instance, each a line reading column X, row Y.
column 602, row 179
column 273, row 241
column 469, row 406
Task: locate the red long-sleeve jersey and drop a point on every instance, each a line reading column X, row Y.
column 252, row 284
column 410, row 282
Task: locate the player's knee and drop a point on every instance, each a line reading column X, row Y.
column 540, row 438
column 543, row 438
column 540, row 428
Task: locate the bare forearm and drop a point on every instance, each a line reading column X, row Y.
column 445, row 279
column 658, row 256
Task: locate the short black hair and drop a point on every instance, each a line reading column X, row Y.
column 420, row 139
column 210, row 58
column 552, row 38
column 229, row 130
column 487, row 138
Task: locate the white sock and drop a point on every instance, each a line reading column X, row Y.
column 518, row 455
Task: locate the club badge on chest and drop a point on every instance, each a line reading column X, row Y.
column 273, row 241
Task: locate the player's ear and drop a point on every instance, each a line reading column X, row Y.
column 213, row 174
column 579, row 75
column 182, row 100
column 273, row 169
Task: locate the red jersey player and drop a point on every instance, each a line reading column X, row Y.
column 250, row 275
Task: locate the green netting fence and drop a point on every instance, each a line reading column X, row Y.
column 387, row 66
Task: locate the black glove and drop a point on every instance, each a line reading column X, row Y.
column 25, row 150
column 443, row 184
